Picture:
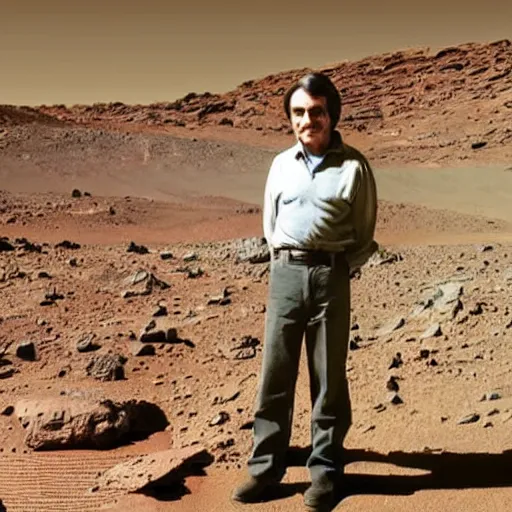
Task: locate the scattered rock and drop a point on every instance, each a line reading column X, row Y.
column 443, row 304
column 53, row 296
column 143, row 283
column 194, row 273
column 396, row 362
column 191, row 256
column 137, row 249
column 159, row 331
column 392, row 325
column 5, row 373
column 159, row 469
column 76, row 193
column 477, row 309
column 153, row 336
column 142, row 349
column 491, row 396
column 29, row 246
column 66, row 244
column 383, row 257
column 219, row 419
column 222, row 299
column 470, row 418
column 166, row 255
column 47, row 302
column 86, row 343
column 7, row 411
column 160, row 311
column 245, row 353
column 5, row 246
column 252, row 250
column 392, row 384
column 228, row 394
column 353, row 345
column 26, row 351
column 150, row 326
column 246, row 349
column 106, row 367
column 424, row 353
column 395, row 399
column 432, row 331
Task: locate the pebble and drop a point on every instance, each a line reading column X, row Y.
column 470, row 418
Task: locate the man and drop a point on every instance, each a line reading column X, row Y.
column 319, row 221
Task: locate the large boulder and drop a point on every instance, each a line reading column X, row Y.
column 82, row 422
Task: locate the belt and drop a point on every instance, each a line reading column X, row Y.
column 309, row 257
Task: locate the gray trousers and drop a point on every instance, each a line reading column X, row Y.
column 315, row 301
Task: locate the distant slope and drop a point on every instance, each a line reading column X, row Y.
column 41, row 158
column 446, row 108
column 14, row 116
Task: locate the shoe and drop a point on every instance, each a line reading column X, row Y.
column 319, row 496
column 254, row 490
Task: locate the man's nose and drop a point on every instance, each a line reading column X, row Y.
column 306, row 119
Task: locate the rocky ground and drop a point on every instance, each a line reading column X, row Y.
column 133, row 282
column 180, row 325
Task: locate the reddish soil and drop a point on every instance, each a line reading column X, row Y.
column 197, row 188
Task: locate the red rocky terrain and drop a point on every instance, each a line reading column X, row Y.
column 133, row 282
column 416, row 106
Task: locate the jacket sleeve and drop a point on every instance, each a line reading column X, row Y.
column 269, row 203
column 364, row 217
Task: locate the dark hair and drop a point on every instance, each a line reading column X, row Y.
column 317, row 84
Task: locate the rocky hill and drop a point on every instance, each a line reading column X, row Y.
column 413, row 107
column 410, row 106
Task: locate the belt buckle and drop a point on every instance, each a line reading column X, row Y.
column 296, row 254
column 299, row 255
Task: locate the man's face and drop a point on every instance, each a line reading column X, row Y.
column 310, row 120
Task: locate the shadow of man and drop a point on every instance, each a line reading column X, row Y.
column 446, row 470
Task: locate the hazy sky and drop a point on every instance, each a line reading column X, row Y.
column 142, row 51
